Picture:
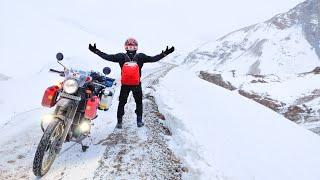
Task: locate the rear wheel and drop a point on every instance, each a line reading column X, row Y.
column 47, row 148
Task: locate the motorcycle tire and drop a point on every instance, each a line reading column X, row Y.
column 40, row 166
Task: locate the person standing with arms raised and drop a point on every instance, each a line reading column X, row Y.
column 131, row 64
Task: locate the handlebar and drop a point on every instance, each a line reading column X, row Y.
column 98, row 84
column 61, row 73
column 56, row 71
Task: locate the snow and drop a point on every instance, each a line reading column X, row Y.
column 286, row 90
column 236, row 137
column 218, row 134
column 261, row 49
column 22, row 134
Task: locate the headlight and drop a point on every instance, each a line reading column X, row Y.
column 47, row 119
column 70, row 86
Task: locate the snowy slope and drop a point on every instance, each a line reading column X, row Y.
column 234, row 137
column 287, row 43
column 274, row 62
column 33, row 31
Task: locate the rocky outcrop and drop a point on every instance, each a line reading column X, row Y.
column 268, row 102
column 316, row 70
column 258, row 81
column 307, row 15
column 216, row 79
column 298, row 111
column 294, row 113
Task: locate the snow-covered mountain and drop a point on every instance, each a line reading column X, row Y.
column 274, row 63
column 287, row 43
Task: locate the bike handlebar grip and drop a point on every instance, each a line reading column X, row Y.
column 61, row 73
column 102, row 85
column 56, row 71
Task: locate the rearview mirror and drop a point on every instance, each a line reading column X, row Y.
column 59, row 56
column 106, row 70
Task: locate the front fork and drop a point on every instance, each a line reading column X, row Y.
column 70, row 115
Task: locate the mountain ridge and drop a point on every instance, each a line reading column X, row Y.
column 281, row 44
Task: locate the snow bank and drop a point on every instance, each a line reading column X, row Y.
column 235, row 137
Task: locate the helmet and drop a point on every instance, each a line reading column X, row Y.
column 131, row 44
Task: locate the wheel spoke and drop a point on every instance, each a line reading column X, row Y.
column 50, row 153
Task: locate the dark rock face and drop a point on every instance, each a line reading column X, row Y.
column 216, row 79
column 294, row 113
column 258, row 81
column 316, row 70
column 307, row 15
column 311, row 24
column 268, row 102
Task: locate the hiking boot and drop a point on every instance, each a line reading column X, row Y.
column 140, row 124
column 119, row 123
column 139, row 121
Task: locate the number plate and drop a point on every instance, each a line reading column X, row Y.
column 69, row 96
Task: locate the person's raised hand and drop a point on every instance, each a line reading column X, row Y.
column 93, row 48
column 168, row 50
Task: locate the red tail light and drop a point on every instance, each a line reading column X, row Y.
column 91, row 107
column 49, row 98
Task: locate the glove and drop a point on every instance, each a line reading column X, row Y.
column 168, row 51
column 93, row 48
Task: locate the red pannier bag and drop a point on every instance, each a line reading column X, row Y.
column 130, row 73
column 91, row 107
column 49, row 98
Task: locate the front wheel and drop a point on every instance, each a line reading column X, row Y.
column 47, row 148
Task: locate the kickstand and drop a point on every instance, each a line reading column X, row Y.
column 84, row 147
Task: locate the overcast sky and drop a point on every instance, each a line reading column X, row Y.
column 184, row 22
column 155, row 23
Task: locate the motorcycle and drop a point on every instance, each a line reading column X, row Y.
column 75, row 101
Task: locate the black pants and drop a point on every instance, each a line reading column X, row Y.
column 124, row 93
